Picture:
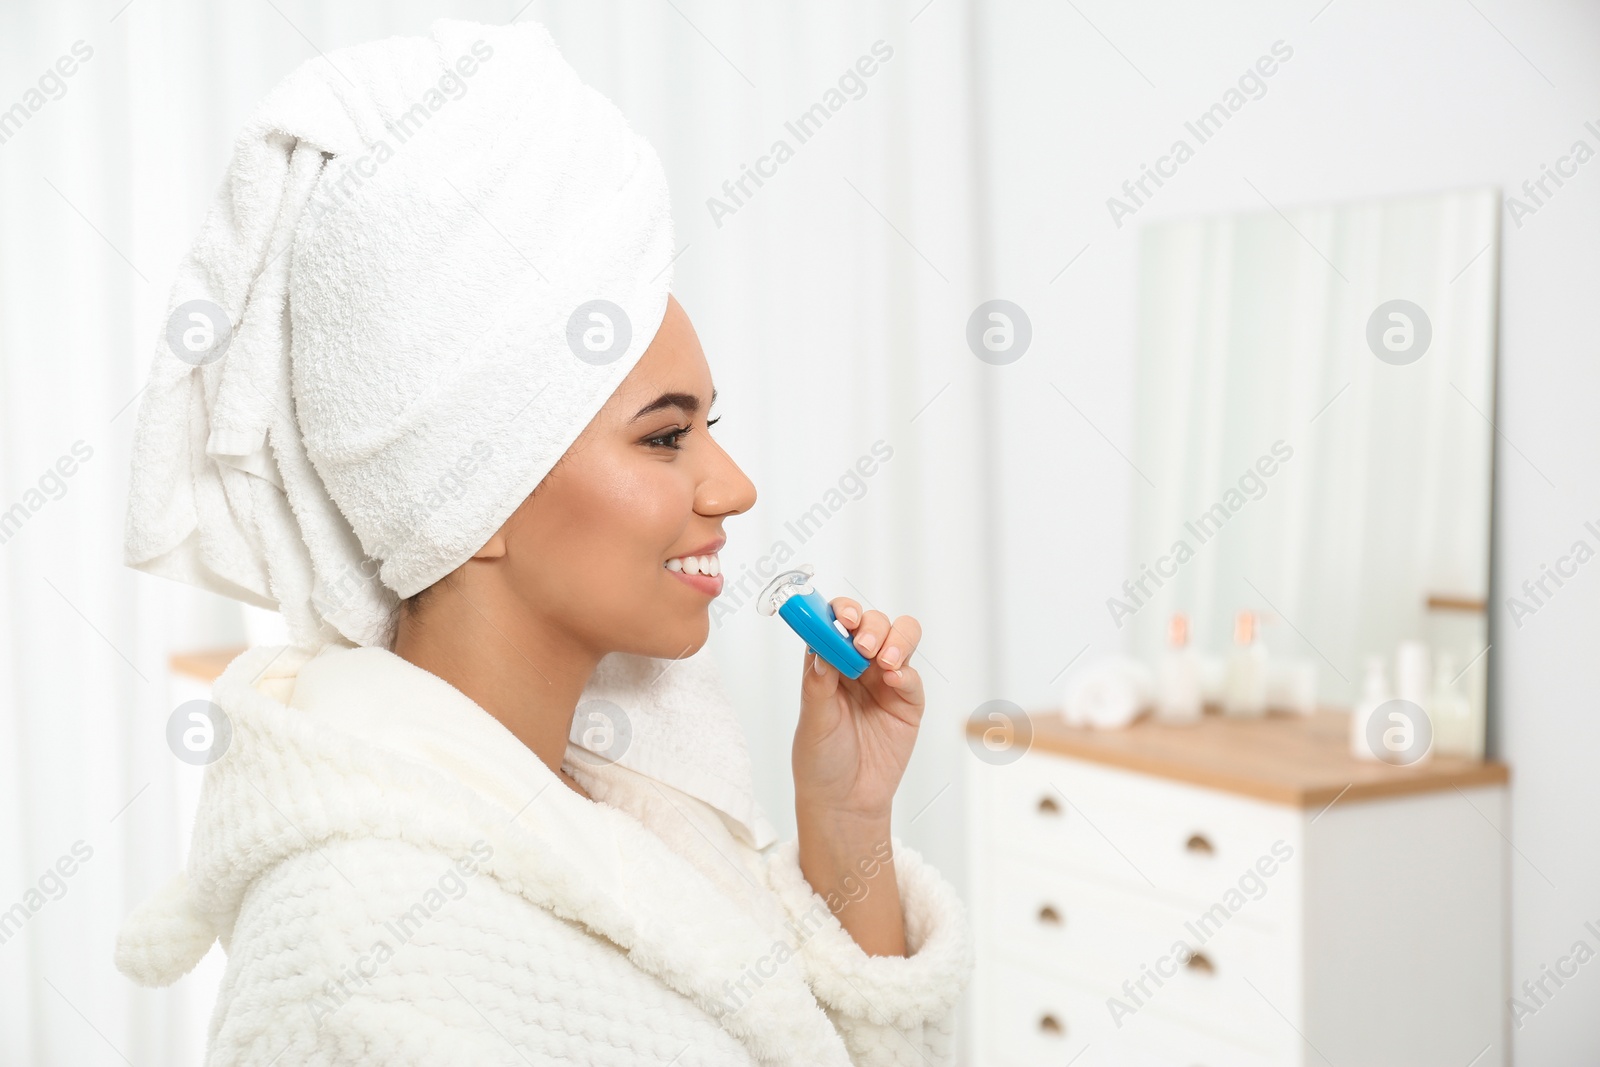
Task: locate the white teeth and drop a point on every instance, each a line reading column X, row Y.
column 707, row 565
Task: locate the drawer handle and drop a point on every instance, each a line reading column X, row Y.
column 1048, row 806
column 1201, row 963
column 1049, row 1024
column 1049, row 916
column 1200, row 845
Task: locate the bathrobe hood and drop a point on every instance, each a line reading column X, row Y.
column 357, row 742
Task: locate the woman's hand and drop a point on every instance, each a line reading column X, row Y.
column 855, row 734
column 850, row 749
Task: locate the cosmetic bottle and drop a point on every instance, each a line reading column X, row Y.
column 1413, row 681
column 1449, row 712
column 1245, row 691
column 1178, row 680
column 1374, row 693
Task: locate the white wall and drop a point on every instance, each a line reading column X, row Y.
column 1376, row 99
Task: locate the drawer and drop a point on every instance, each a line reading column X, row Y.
column 1144, row 951
column 1036, row 1019
column 1235, row 986
column 1200, row 846
column 1077, row 928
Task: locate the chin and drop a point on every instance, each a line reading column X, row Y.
column 692, row 640
column 679, row 641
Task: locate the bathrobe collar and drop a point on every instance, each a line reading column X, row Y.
column 683, row 731
column 360, row 742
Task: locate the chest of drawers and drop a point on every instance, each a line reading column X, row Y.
column 1236, row 894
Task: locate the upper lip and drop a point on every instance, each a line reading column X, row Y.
column 707, row 549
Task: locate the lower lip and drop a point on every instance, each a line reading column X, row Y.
column 709, row 584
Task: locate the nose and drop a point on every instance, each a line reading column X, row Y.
column 725, row 489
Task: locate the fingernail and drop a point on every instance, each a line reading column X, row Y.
column 891, row 655
column 817, row 664
column 865, row 643
column 849, row 615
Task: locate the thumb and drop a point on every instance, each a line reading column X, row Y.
column 820, row 681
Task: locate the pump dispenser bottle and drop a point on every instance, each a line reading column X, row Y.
column 1244, row 692
column 1178, row 680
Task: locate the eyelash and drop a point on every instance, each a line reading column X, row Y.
column 670, row 439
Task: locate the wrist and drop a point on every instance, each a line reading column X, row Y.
column 840, row 836
column 845, row 875
column 844, row 818
column 848, row 859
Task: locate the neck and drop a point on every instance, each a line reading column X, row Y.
column 523, row 669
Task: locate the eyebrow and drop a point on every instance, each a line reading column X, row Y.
column 687, row 401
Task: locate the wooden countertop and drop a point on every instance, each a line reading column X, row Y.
column 1301, row 761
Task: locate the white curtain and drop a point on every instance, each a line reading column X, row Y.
column 832, row 304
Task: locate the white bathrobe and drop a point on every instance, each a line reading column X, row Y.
column 398, row 880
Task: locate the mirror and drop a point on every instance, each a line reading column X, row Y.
column 1314, row 437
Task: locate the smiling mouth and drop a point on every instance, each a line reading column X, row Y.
column 703, row 573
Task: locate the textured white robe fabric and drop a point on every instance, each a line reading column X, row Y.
column 398, row 880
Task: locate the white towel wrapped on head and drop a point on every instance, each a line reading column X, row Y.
column 430, row 263
column 400, row 246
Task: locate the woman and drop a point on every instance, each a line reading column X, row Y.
column 476, row 811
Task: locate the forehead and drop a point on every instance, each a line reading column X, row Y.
column 674, row 363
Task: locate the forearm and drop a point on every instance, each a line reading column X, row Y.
column 849, row 862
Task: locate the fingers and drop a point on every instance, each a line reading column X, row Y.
column 870, row 632
column 875, row 637
column 890, row 645
column 906, row 683
column 886, row 645
column 899, row 693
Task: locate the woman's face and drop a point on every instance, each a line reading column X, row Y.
column 644, row 484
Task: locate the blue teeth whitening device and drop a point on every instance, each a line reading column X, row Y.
column 809, row 614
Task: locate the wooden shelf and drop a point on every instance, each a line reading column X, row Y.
column 1300, row 761
column 1470, row 605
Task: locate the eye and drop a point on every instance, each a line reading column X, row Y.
column 672, row 437
column 669, row 439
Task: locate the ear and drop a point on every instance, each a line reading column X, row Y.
column 493, row 548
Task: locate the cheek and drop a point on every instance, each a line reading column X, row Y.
column 596, row 537
column 638, row 514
